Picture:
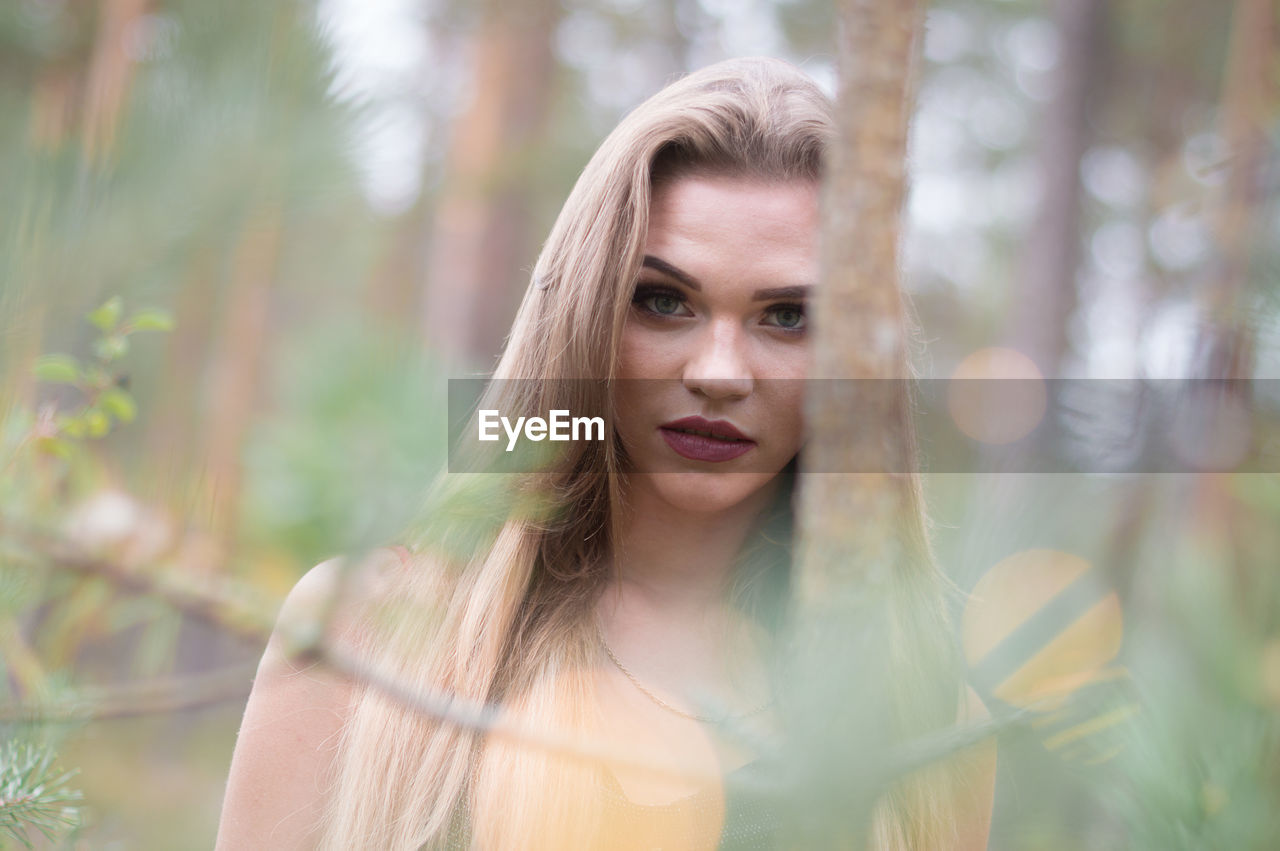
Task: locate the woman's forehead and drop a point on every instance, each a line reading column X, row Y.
column 737, row 221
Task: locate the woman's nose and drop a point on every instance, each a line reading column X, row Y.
column 718, row 367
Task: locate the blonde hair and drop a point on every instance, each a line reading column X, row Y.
column 498, row 604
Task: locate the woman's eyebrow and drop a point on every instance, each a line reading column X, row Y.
column 798, row 292
column 675, row 272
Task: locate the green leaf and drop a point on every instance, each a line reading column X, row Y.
column 119, row 403
column 110, row 348
column 97, row 377
column 107, row 316
column 97, row 422
column 72, row 426
column 55, row 446
column 151, row 320
column 61, row 369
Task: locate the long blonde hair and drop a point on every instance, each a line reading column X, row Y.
column 499, row 600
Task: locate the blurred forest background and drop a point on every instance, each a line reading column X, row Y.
column 245, row 244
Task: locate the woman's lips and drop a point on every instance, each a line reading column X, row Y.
column 697, row 447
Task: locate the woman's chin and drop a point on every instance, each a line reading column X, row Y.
column 706, row 493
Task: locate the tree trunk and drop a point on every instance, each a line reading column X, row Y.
column 175, row 413
column 393, row 283
column 1045, row 291
column 1248, row 111
column 1225, row 348
column 481, row 238
column 859, row 327
column 851, row 523
column 110, row 73
column 237, row 369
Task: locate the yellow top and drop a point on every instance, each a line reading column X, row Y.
column 723, row 818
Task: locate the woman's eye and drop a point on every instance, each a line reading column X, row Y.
column 789, row 317
column 661, row 302
column 664, row 303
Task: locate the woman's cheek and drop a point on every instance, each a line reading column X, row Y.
column 640, row 355
column 786, row 401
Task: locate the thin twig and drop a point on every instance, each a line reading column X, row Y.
column 222, row 612
column 177, row 694
column 310, row 647
column 211, row 605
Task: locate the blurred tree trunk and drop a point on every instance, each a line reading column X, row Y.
column 851, row 523
column 52, row 113
column 481, row 239
column 1225, row 347
column 1248, row 110
column 392, row 288
column 858, row 332
column 110, row 73
column 1045, row 292
column 175, row 414
column 84, row 88
column 395, row 287
column 237, row 368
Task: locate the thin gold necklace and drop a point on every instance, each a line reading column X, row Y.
column 703, row 718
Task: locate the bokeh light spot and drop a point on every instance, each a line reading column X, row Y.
column 997, row 396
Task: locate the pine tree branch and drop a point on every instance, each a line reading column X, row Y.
column 33, row 795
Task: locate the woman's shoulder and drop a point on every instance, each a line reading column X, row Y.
column 296, row 710
column 335, row 593
column 347, row 573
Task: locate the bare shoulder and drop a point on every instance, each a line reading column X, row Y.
column 285, row 752
column 332, row 596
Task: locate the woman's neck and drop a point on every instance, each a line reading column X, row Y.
column 667, row 610
column 677, row 561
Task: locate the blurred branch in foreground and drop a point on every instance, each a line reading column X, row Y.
column 224, row 604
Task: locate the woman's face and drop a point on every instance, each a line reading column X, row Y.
column 717, row 330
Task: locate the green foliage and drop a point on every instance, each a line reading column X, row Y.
column 152, row 320
column 1200, row 771
column 224, row 130
column 106, row 317
column 33, row 794
column 357, row 435
column 106, row 402
column 58, row 368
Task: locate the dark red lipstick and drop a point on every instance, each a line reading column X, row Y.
column 700, row 439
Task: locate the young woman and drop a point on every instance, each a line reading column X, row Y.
column 636, row 587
